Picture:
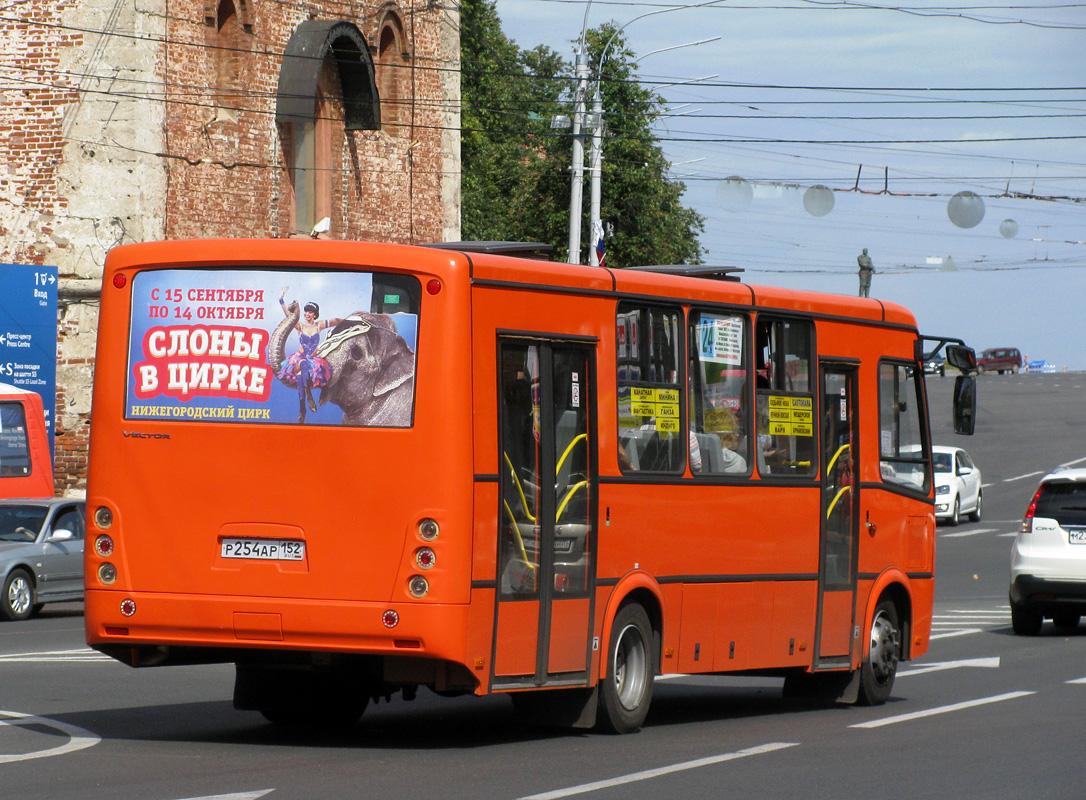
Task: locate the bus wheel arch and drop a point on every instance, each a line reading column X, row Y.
column 640, row 589
column 630, row 660
column 885, row 644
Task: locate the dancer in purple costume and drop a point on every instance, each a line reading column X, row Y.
column 303, row 369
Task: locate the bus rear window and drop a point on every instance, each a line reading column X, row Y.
column 316, row 347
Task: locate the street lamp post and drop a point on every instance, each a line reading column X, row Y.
column 577, row 187
column 596, row 124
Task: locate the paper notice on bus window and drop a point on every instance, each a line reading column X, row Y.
column 791, row 416
column 219, row 346
column 720, row 339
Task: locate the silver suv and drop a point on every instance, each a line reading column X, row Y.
column 1048, row 562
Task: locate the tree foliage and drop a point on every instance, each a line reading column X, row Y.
column 517, row 170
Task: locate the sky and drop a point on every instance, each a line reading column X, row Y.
column 894, row 111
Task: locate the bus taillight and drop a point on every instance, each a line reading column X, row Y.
column 390, row 619
column 128, row 607
column 103, row 517
column 418, row 587
column 425, row 558
column 103, row 546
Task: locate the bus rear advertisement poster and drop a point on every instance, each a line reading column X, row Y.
column 266, row 346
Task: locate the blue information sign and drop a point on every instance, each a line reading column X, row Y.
column 28, row 333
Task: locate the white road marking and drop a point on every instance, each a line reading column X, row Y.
column 931, row 712
column 1078, row 680
column 960, row 534
column 983, row 663
column 655, row 773
column 78, row 739
column 234, row 796
column 1023, row 477
column 952, row 634
column 82, row 654
column 1072, row 463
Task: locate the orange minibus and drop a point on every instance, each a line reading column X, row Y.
column 26, row 465
column 354, row 469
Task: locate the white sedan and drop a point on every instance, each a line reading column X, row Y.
column 957, row 485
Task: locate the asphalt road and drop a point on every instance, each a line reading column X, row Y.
column 985, row 714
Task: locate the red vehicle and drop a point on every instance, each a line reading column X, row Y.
column 26, row 467
column 1000, row 359
column 353, row 469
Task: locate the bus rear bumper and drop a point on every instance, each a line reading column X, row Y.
column 148, row 629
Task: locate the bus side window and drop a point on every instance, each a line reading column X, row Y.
column 784, row 405
column 902, row 456
column 649, row 361
column 719, row 404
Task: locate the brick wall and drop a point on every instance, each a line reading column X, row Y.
column 125, row 123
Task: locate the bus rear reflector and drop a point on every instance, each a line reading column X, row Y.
column 409, row 644
column 433, row 287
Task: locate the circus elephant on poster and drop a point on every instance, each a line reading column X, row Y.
column 372, row 369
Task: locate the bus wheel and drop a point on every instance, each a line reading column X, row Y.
column 626, row 692
column 18, row 599
column 879, row 669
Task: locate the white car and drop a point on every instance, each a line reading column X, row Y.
column 1048, row 562
column 957, row 485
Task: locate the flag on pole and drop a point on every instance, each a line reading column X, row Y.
column 597, row 238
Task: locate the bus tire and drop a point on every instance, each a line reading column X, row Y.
column 879, row 669
column 626, row 691
column 18, row 600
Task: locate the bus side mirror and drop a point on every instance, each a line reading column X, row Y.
column 961, row 357
column 965, row 404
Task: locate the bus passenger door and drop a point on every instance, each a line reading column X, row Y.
column 546, row 541
column 839, row 540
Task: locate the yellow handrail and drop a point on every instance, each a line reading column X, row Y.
column 836, row 498
column 837, row 455
column 520, row 539
column 520, row 490
column 562, row 460
column 567, row 498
